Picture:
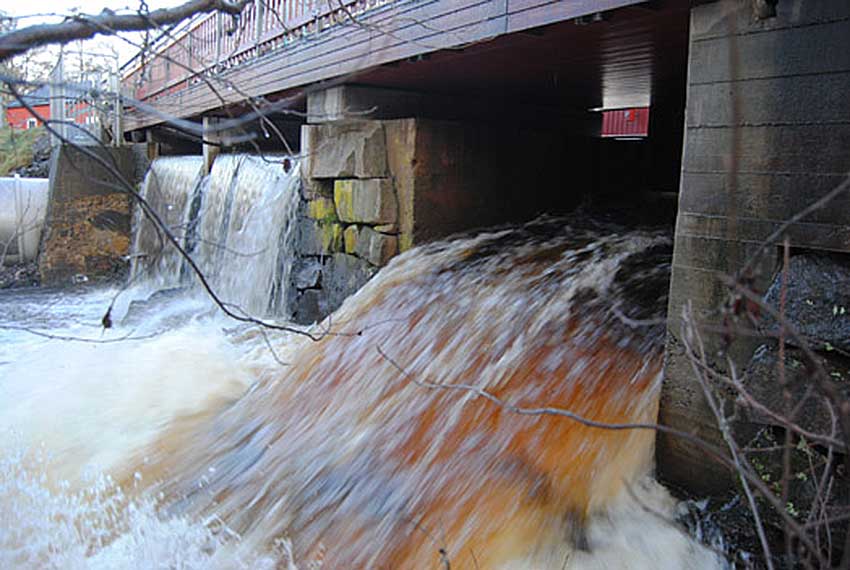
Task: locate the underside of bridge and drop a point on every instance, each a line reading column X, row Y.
column 537, row 97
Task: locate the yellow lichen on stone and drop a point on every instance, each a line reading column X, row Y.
column 366, row 201
column 331, row 237
column 350, row 238
column 321, row 209
column 405, row 242
column 344, row 198
column 387, row 229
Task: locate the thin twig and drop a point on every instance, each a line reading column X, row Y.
column 553, row 411
column 128, row 337
column 698, row 354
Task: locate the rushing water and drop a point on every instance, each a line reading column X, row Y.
column 179, row 439
column 235, row 222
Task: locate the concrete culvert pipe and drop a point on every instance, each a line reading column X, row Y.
column 23, row 207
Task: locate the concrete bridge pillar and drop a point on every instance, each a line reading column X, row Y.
column 767, row 134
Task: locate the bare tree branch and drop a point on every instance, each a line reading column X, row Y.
column 83, row 27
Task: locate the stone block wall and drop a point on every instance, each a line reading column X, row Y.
column 455, row 176
column 348, row 220
column 87, row 231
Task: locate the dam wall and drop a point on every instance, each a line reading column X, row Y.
column 763, row 134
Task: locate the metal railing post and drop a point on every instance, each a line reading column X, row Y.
column 57, row 100
column 219, row 36
column 259, row 16
column 19, row 218
column 190, row 50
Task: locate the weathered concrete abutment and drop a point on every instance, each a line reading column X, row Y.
column 767, row 135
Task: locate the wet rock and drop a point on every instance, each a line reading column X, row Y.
column 140, row 310
column 817, row 300
column 315, row 237
column 343, row 276
column 309, row 307
column 15, row 276
column 320, row 285
column 764, row 382
column 307, row 274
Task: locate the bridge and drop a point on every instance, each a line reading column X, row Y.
column 570, row 56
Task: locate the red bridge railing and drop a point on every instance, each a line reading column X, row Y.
column 218, row 42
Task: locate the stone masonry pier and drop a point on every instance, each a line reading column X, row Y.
column 375, row 188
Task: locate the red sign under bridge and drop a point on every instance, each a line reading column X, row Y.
column 626, row 122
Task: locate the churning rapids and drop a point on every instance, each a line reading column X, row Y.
column 181, row 439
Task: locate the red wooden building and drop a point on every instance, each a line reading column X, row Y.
column 19, row 117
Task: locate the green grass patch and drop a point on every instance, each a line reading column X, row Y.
column 16, row 148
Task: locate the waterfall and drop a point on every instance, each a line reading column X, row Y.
column 235, row 223
column 168, row 188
